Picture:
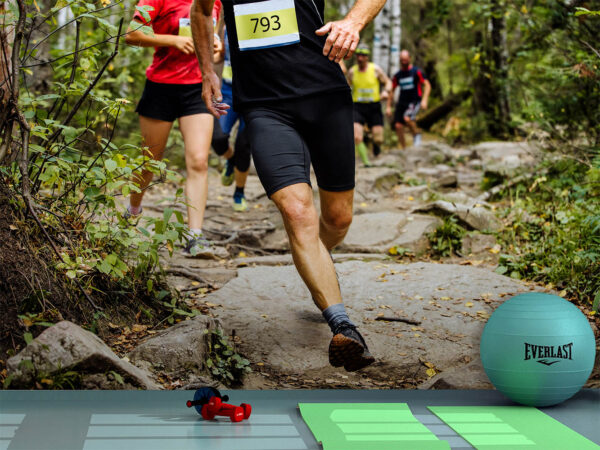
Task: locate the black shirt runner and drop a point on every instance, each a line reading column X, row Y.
column 282, row 72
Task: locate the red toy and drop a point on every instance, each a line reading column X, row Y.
column 209, row 403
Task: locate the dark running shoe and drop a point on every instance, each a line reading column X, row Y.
column 348, row 349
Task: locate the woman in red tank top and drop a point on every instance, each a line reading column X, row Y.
column 173, row 90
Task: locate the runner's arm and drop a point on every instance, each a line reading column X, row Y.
column 138, row 38
column 344, row 34
column 426, row 92
column 350, row 76
column 202, row 33
column 384, row 80
column 390, row 100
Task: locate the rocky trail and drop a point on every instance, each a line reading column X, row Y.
column 421, row 317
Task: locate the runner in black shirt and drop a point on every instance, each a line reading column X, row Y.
column 298, row 110
column 411, row 81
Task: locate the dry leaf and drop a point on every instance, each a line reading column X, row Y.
column 242, row 255
column 468, row 304
column 195, row 283
column 430, row 372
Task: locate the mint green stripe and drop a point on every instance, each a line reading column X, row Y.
column 371, row 415
column 498, row 439
column 467, row 417
column 391, row 437
column 490, row 428
column 352, row 428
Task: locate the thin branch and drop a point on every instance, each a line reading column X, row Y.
column 399, row 319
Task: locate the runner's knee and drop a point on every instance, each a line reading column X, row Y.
column 196, row 162
column 299, row 214
column 340, row 219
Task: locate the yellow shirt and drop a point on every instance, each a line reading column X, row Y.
column 365, row 85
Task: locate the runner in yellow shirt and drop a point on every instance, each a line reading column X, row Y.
column 366, row 79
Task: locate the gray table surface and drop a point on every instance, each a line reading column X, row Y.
column 114, row 420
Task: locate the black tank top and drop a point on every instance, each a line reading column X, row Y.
column 284, row 72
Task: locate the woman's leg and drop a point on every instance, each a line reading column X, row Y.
column 154, row 137
column 197, row 133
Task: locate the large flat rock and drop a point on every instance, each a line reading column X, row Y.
column 271, row 310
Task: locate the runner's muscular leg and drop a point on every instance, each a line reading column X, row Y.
column 377, row 131
column 197, row 133
column 154, row 137
column 295, row 202
column 400, row 133
column 358, row 133
column 336, row 216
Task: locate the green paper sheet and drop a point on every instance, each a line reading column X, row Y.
column 368, row 426
column 510, row 428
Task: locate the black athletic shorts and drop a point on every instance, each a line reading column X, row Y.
column 409, row 110
column 368, row 113
column 286, row 136
column 170, row 101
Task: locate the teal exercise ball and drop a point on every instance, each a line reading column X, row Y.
column 538, row 349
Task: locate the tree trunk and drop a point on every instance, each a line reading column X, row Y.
column 500, row 59
column 442, row 110
column 396, row 36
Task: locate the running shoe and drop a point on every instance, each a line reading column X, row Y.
column 417, row 140
column 349, row 349
column 376, row 149
column 239, row 203
column 227, row 173
column 200, row 247
column 130, row 217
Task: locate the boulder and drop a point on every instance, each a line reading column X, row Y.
column 66, row 346
column 475, row 216
column 180, row 348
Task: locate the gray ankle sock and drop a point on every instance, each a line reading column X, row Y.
column 335, row 315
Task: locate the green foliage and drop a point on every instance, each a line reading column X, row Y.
column 82, row 161
column 222, row 360
column 556, row 240
column 447, row 238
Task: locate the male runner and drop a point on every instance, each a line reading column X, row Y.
column 411, row 80
column 366, row 79
column 297, row 108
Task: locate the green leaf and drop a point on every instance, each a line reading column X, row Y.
column 110, row 165
column 596, row 304
column 28, row 337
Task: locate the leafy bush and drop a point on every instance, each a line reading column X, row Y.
column 557, row 241
column 222, row 360
column 447, row 238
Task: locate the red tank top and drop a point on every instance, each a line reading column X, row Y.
column 169, row 65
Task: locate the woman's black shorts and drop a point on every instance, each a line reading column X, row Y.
column 170, row 101
column 287, row 135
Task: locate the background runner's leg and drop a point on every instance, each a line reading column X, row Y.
column 310, row 255
column 400, row 133
column 336, row 216
column 197, row 132
column 154, row 135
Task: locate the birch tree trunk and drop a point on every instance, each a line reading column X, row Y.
column 396, row 36
column 381, row 39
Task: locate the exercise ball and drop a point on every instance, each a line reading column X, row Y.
column 538, row 349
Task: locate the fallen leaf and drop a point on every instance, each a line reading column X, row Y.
column 445, row 298
column 12, row 227
column 242, row 255
column 264, row 316
column 195, row 283
column 468, row 304
column 417, row 335
column 411, row 198
column 430, row 372
column 363, row 204
column 563, row 293
column 495, row 249
column 47, row 381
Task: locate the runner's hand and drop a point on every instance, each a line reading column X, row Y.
column 211, row 94
column 423, row 104
column 342, row 40
column 184, row 44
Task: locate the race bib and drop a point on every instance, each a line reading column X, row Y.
column 365, row 95
column 266, row 24
column 185, row 29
